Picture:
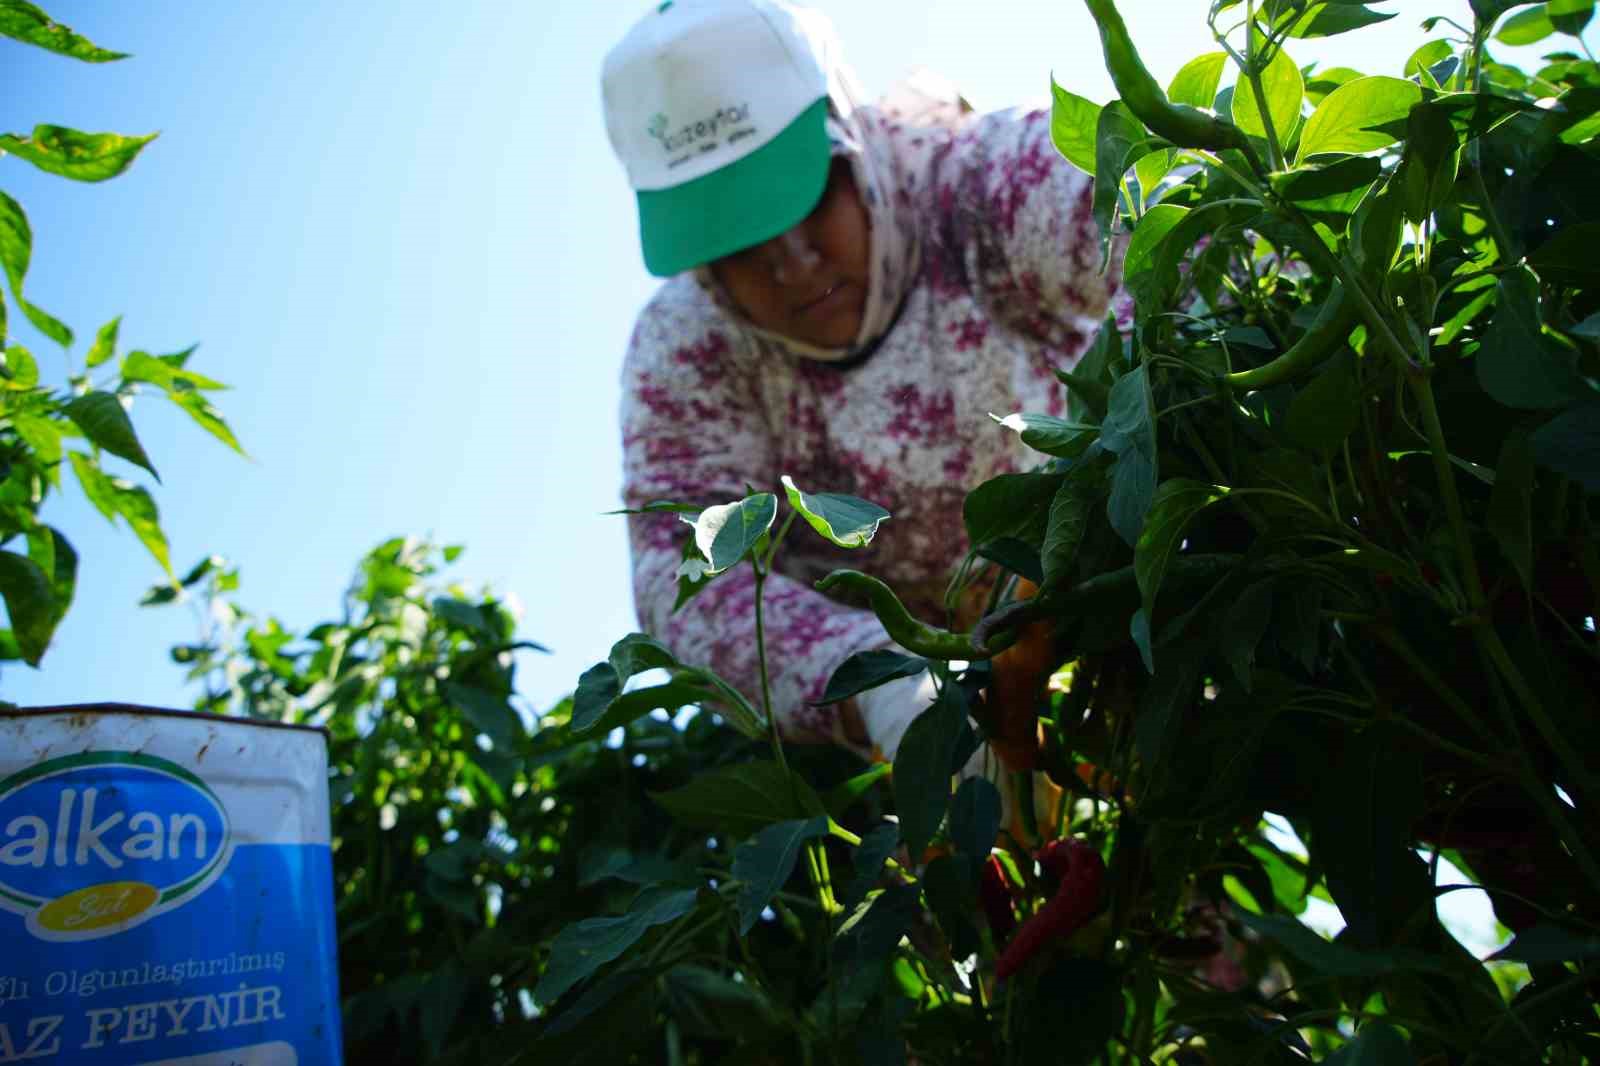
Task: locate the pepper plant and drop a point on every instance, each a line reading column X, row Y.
column 45, row 427
column 1304, row 588
column 1314, row 549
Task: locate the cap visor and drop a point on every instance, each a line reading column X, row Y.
column 741, row 204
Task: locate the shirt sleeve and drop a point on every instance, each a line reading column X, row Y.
column 1014, row 222
column 693, row 432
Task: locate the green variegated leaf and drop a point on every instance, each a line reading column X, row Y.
column 22, row 21
column 74, row 154
column 725, row 534
column 847, row 521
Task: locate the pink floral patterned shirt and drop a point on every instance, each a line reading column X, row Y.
column 986, row 238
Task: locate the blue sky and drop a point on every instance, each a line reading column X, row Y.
column 398, row 232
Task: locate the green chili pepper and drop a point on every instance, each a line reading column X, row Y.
column 1184, row 126
column 916, row 637
column 1328, row 331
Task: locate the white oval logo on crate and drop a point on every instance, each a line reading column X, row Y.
column 94, row 844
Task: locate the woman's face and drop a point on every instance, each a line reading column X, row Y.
column 809, row 284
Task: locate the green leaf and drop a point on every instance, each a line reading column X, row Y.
column 21, row 367
column 1343, row 121
column 597, row 687
column 24, row 22
column 1335, row 960
column 1196, row 82
column 1070, row 512
column 158, row 371
column 1361, row 835
column 1283, row 88
column 1072, row 127
column 601, row 685
column 744, row 798
column 874, row 929
column 1545, row 943
column 975, row 819
column 207, row 417
column 1337, row 188
column 1568, row 258
column 455, row 612
column 583, row 947
column 843, row 796
column 1050, row 435
column 1510, row 516
column 105, row 423
column 16, row 249
column 1526, row 27
column 96, row 484
column 74, row 154
column 951, row 890
column 1244, row 624
column 726, row 533
column 43, row 436
column 765, row 863
column 1139, row 631
column 847, row 521
column 1323, row 82
column 1570, row 444
column 1171, row 692
column 708, row 1005
column 868, row 859
column 1010, row 505
column 1089, row 382
column 30, row 604
column 1570, row 16
column 1174, row 507
column 1432, row 158
column 1120, row 141
column 1328, row 409
column 1376, row 1044
column 1517, row 364
column 105, row 343
column 490, row 713
column 867, row 670
column 138, row 509
column 1331, row 19
column 922, row 767
column 1139, row 260
column 58, row 560
column 638, row 652
column 1377, row 226
column 1426, row 57
column 1130, row 431
column 1149, row 171
column 671, row 696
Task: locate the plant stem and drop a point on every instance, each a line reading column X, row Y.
column 766, row 684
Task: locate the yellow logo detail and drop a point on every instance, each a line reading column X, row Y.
column 98, row 907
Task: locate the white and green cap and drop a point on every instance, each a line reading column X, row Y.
column 717, row 110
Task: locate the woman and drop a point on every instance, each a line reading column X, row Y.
column 852, row 290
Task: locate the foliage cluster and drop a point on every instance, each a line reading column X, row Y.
column 1316, row 542
column 47, row 427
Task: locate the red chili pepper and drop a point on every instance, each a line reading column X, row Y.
column 1082, row 874
column 994, row 895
